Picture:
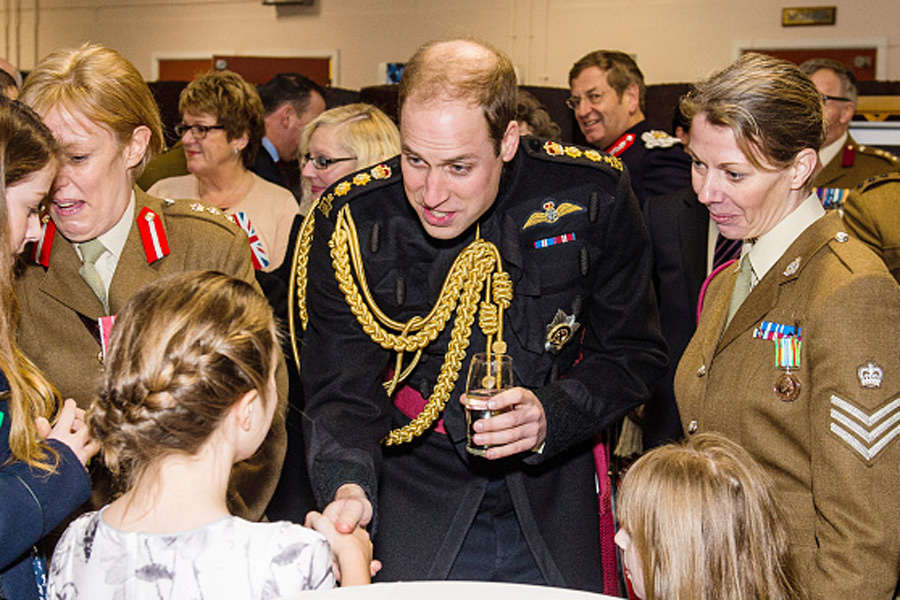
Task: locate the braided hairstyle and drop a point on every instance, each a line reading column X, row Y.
column 183, row 350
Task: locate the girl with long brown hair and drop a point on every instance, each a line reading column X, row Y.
column 42, row 474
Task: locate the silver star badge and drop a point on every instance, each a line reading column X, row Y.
column 560, row 330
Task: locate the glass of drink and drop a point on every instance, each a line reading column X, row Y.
column 489, row 374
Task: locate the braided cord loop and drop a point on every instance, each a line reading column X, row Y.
column 297, row 282
column 477, row 264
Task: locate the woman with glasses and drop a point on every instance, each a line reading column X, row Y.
column 222, row 125
column 795, row 353
column 105, row 239
column 341, row 141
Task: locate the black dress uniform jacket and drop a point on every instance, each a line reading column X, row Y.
column 656, row 169
column 428, row 491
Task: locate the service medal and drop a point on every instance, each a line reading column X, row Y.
column 787, row 387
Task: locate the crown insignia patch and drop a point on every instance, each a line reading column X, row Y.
column 870, row 376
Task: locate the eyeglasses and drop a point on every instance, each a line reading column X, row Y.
column 322, row 163
column 826, row 97
column 198, row 131
column 574, row 102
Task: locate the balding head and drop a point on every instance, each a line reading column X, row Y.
column 463, row 70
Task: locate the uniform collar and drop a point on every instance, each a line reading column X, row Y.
column 114, row 239
column 827, row 154
column 769, row 248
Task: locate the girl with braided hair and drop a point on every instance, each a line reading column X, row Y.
column 189, row 390
column 42, row 474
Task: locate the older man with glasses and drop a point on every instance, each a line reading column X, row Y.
column 847, row 164
column 608, row 99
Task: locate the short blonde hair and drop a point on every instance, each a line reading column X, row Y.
column 233, row 102
column 706, row 524
column 183, row 350
column 364, row 130
column 770, row 105
column 101, row 84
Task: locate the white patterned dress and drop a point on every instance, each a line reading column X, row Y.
column 228, row 558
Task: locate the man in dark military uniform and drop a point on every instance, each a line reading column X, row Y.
column 545, row 245
column 847, row 164
column 608, row 98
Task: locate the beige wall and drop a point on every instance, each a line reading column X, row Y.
column 674, row 40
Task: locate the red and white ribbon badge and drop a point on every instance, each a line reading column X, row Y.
column 153, row 236
column 40, row 251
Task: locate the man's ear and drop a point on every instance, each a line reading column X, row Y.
column 847, row 111
column 631, row 97
column 509, row 143
column 285, row 113
column 135, row 148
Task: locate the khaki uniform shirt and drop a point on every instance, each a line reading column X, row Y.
column 832, row 449
column 873, row 215
column 59, row 313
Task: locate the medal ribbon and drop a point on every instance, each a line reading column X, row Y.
column 769, row 330
column 787, row 352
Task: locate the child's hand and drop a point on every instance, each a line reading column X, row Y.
column 71, row 430
column 351, row 552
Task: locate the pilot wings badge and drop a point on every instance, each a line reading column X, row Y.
column 551, row 213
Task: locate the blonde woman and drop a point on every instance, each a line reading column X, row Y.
column 101, row 111
column 340, row 141
column 700, row 521
column 42, row 474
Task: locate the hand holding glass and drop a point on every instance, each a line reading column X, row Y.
column 487, row 378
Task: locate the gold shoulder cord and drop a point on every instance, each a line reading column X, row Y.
column 297, row 281
column 461, row 290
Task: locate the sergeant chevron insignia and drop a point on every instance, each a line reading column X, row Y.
column 551, row 213
column 866, row 433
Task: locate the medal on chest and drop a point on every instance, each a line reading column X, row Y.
column 788, row 343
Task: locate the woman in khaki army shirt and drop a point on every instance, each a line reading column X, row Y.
column 794, row 356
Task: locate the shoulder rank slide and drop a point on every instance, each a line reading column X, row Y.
column 153, row 236
column 258, row 252
column 40, row 251
column 379, row 172
column 556, row 149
